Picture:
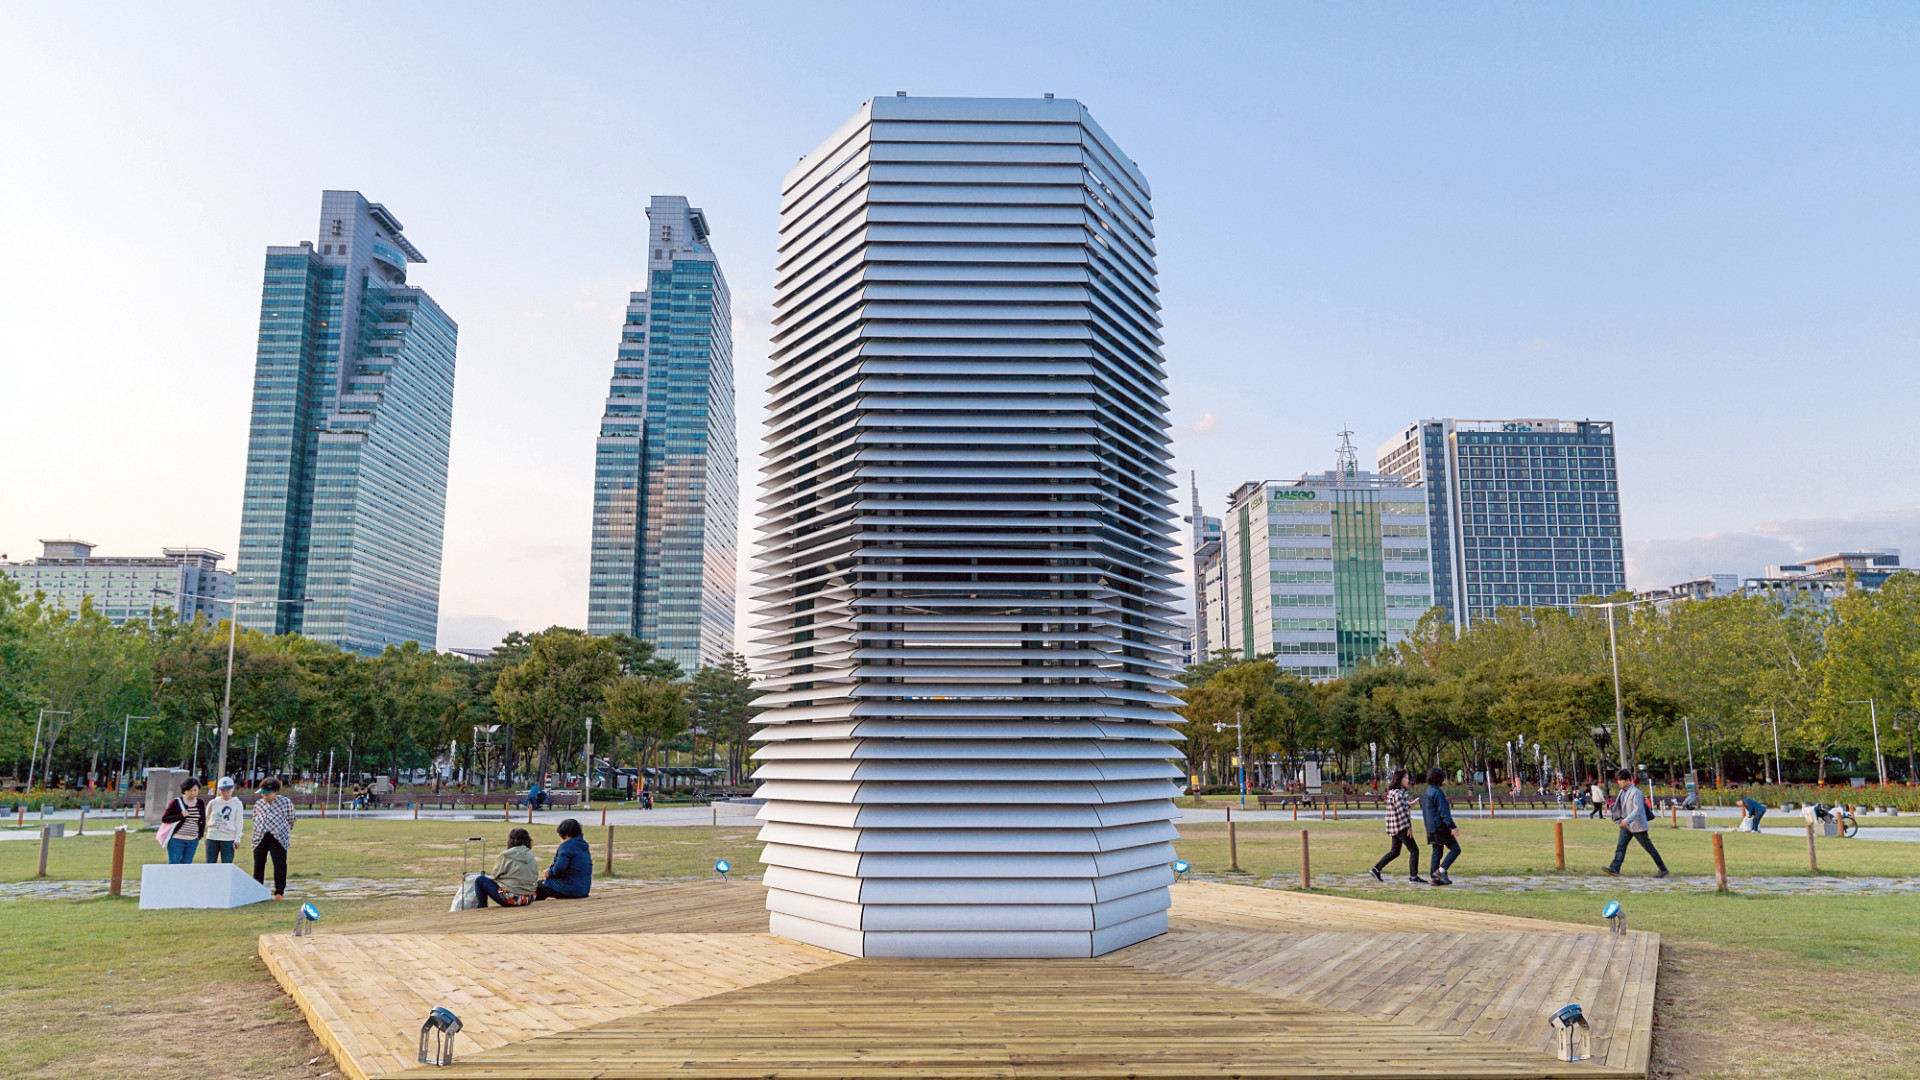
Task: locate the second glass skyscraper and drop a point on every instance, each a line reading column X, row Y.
column 665, row 485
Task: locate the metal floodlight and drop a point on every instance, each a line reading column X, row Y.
column 303, row 925
column 436, row 1036
column 721, row 868
column 1616, row 919
column 1576, row 1036
column 1180, row 867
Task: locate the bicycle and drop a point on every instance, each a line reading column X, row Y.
column 1841, row 816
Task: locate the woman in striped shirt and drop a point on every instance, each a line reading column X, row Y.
column 1400, row 828
column 272, row 835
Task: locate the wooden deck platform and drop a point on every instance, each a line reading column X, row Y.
column 683, row 981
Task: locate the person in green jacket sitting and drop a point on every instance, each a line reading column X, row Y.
column 514, row 876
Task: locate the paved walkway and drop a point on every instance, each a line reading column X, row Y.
column 1795, row 886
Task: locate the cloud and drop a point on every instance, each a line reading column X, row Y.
column 1748, row 552
column 1206, row 423
column 467, row 631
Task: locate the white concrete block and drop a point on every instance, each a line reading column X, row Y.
column 198, row 885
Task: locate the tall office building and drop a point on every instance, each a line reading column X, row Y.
column 666, row 478
column 1205, row 543
column 346, row 491
column 967, row 606
column 1522, row 512
column 1323, row 572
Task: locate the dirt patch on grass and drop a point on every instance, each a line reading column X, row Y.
column 1743, row 1013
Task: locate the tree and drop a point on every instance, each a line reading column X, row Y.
column 553, row 690
column 722, row 699
column 649, row 711
column 1873, row 653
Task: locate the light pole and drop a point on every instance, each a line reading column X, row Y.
column 233, row 632
column 1879, row 762
column 1688, row 724
column 1779, row 775
column 1613, row 657
column 1239, row 752
column 586, row 781
column 35, row 756
column 125, row 727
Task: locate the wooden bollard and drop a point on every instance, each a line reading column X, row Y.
column 1323, row 811
column 603, row 815
column 1675, row 808
column 1306, row 863
column 416, row 811
column 715, row 807
column 1719, row 864
column 119, row 861
column 529, row 811
column 1559, row 846
column 1813, row 860
column 1233, row 843
column 20, row 816
column 46, row 837
column 82, row 830
column 1296, row 810
column 1336, row 811
column 506, row 811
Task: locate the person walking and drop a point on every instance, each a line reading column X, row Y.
column 1597, row 798
column 515, row 876
column 224, row 814
column 187, row 813
column 1441, row 831
column 1400, row 828
column 272, row 835
column 571, row 875
column 1630, row 811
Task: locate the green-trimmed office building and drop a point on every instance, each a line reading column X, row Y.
column 1322, row 572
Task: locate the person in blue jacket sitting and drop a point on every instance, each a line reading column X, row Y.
column 571, row 875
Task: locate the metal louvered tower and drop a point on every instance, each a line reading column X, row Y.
column 966, row 550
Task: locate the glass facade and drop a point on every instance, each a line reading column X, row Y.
column 666, row 475
column 1523, row 512
column 346, row 483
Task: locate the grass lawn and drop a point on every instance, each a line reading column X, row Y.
column 1813, row 987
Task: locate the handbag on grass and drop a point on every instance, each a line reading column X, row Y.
column 468, row 897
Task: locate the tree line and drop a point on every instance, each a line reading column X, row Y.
column 75, row 688
column 1529, row 693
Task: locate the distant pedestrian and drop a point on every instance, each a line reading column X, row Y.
column 224, row 814
column 1441, row 831
column 1596, row 799
column 1400, row 828
column 272, row 835
column 1630, row 810
column 1751, row 811
column 188, row 815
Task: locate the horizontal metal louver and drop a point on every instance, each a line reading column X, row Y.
column 965, row 542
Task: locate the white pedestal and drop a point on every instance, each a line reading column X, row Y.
column 198, row 885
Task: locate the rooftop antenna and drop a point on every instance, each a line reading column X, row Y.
column 1193, row 477
column 1347, row 461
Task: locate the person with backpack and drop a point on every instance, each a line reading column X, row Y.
column 1441, row 831
column 187, row 813
column 1400, row 828
column 1631, row 811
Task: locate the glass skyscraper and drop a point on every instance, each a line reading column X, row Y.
column 346, row 488
column 1522, row 512
column 666, row 477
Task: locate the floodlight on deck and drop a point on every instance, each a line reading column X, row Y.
column 721, row 868
column 303, row 923
column 436, row 1036
column 1616, row 919
column 1576, row 1037
column 1180, row 867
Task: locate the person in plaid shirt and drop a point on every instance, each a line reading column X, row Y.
column 1400, row 828
column 272, row 835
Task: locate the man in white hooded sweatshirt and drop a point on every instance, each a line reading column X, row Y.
column 224, row 814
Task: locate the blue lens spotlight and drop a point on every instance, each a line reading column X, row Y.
column 721, row 868
column 1180, row 867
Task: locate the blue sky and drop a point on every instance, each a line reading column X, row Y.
column 1700, row 222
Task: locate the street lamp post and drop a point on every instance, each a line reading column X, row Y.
column 1239, row 752
column 1613, row 658
column 1779, row 774
column 1688, row 724
column 1880, row 763
column 35, row 756
column 233, row 633
column 586, row 782
column 125, row 727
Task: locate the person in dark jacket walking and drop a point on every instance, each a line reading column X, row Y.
column 1441, row 833
column 1400, row 828
column 571, row 875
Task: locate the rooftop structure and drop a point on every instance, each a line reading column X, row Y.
column 127, row 588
